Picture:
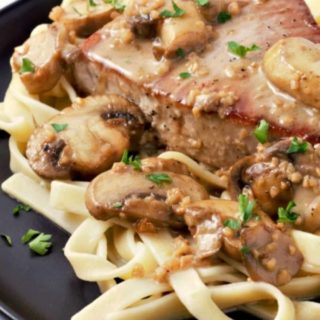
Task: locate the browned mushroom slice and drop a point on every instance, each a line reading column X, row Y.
column 188, row 31
column 269, row 254
column 83, row 18
column 39, row 60
column 85, row 139
column 135, row 195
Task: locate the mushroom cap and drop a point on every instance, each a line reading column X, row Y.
column 97, row 131
column 128, row 193
column 273, row 255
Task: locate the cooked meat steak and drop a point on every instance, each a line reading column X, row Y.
column 210, row 113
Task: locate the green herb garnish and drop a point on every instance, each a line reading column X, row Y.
column 41, row 244
column 116, row 4
column 223, row 17
column 261, row 132
column 180, row 53
column 27, row 66
column 202, row 3
column 159, row 178
column 92, row 3
column 58, row 127
column 6, row 239
column 29, row 235
column 245, row 249
column 178, row 12
column 232, row 224
column 117, row 205
column 246, row 208
column 133, row 161
column 297, row 147
column 20, row 207
column 286, row 215
column 241, row 50
column 185, row 75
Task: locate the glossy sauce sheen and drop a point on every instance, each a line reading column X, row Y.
column 261, row 24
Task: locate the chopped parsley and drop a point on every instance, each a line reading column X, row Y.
column 241, row 50
column 180, row 53
column 178, row 12
column 6, row 239
column 297, row 147
column 20, row 207
column 159, row 178
column 116, row 4
column 246, row 208
column 27, row 66
column 117, row 205
column 92, row 3
column 29, row 235
column 245, row 249
column 223, row 17
column 58, row 127
column 261, row 132
column 285, row 215
column 202, row 3
column 133, row 161
column 232, row 224
column 185, row 75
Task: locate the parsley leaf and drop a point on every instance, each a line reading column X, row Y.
column 58, row 127
column 178, row 12
column 159, row 178
column 223, row 17
column 41, row 244
column 286, row 215
column 185, row 75
column 6, row 239
column 297, row 147
column 29, row 235
column 92, row 3
column 241, row 50
column 245, row 249
column 180, row 53
column 261, row 132
column 246, row 207
column 133, row 161
column 202, row 3
column 117, row 205
column 232, row 224
column 20, row 207
column 116, row 4
column 27, row 66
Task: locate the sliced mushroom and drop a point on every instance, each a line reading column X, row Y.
column 129, row 193
column 271, row 255
column 81, row 17
column 272, row 184
column 188, row 31
column 39, row 60
column 292, row 64
column 86, row 138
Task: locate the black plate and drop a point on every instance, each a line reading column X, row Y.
column 32, row 287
